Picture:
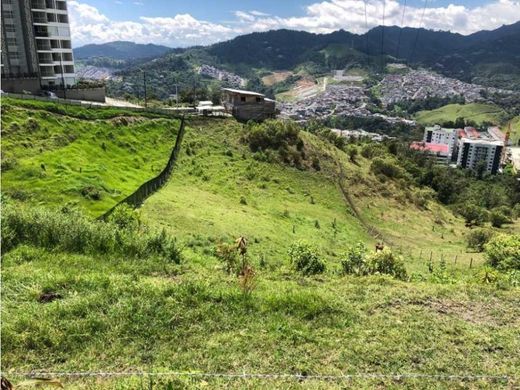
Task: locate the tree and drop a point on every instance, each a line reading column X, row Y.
column 473, row 215
column 497, row 218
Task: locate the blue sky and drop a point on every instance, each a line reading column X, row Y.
column 223, row 10
column 178, row 23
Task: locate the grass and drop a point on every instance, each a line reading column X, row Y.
column 121, row 314
column 125, row 313
column 53, row 159
column 220, row 192
column 476, row 112
column 515, row 130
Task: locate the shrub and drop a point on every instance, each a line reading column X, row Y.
column 497, row 218
column 227, row 253
column 353, row 261
column 243, row 200
column 477, row 238
column 386, row 167
column 421, row 196
column 386, row 262
column 125, row 217
column 304, row 258
column 515, row 213
column 357, row 261
column 72, row 232
column 352, row 152
column 91, row 192
column 503, row 251
column 473, row 215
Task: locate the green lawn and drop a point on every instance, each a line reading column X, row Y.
column 55, row 158
column 476, row 112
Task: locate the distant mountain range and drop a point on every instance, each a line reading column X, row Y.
column 486, row 57
column 120, row 50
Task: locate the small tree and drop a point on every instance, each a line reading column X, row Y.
column 497, row 218
column 304, row 258
column 473, row 215
column 477, row 238
column 352, row 152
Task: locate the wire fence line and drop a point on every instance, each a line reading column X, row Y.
column 245, row 375
column 136, row 198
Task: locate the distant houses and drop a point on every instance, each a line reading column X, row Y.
column 465, row 148
column 248, row 105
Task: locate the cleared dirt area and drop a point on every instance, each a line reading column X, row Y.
column 276, row 77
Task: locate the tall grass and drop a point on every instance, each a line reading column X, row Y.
column 72, row 232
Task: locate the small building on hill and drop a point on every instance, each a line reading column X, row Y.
column 248, row 105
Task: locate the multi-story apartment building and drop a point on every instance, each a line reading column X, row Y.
column 36, row 43
column 437, row 135
column 473, row 152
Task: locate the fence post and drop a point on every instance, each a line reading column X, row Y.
column 471, row 262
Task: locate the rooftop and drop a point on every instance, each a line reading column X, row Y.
column 243, row 92
column 428, row 147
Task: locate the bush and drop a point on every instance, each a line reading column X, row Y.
column 473, row 215
column 72, row 232
column 125, row 217
column 304, row 258
column 357, row 261
column 477, row 238
column 386, row 167
column 228, row 254
column 354, row 260
column 281, row 136
column 503, row 251
column 497, row 218
column 386, row 262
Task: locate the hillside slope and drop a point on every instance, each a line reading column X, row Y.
column 120, row 50
column 63, row 156
column 476, row 112
column 121, row 307
column 221, row 190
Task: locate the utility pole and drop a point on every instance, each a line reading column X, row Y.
column 63, row 78
column 176, row 94
column 144, row 82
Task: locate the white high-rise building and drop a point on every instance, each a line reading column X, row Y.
column 36, row 42
column 473, row 152
column 437, row 135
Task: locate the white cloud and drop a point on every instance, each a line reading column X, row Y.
column 89, row 25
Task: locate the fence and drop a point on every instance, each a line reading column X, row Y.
column 145, row 190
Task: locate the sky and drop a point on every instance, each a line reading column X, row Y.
column 177, row 23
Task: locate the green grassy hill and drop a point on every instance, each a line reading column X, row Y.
column 476, row 112
column 124, row 306
column 54, row 154
column 221, row 191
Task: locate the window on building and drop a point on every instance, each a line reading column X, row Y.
column 9, row 28
column 242, row 98
column 8, row 14
column 10, row 41
column 258, row 99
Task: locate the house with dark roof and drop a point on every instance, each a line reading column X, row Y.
column 248, row 105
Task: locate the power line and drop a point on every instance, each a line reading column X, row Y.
column 418, row 30
column 366, row 35
column 383, row 35
column 400, row 30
